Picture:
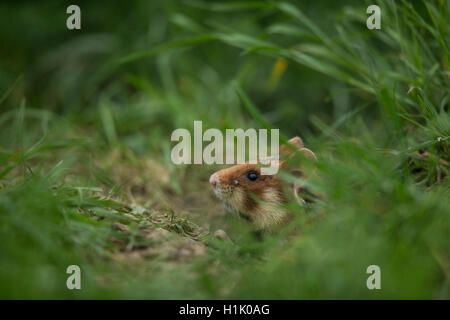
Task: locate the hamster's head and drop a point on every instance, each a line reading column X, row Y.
column 244, row 189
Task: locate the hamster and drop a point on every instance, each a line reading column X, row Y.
column 260, row 197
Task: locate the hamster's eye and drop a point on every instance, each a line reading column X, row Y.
column 252, row 176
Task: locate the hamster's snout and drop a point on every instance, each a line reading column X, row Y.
column 213, row 180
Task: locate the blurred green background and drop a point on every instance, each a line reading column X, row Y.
column 85, row 171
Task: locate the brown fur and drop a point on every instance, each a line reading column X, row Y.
column 259, row 200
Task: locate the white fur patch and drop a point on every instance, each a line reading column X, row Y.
column 269, row 211
column 234, row 198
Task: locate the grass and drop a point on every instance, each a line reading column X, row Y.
column 85, row 170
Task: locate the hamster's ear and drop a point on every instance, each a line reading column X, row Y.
column 295, row 141
column 308, row 153
column 286, row 153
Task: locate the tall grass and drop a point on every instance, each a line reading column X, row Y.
column 84, row 154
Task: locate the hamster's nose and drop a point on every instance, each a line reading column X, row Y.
column 213, row 180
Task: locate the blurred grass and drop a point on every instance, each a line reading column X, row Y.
column 85, row 174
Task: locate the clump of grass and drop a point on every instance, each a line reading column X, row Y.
column 85, row 175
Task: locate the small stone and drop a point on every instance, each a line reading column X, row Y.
column 221, row 235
